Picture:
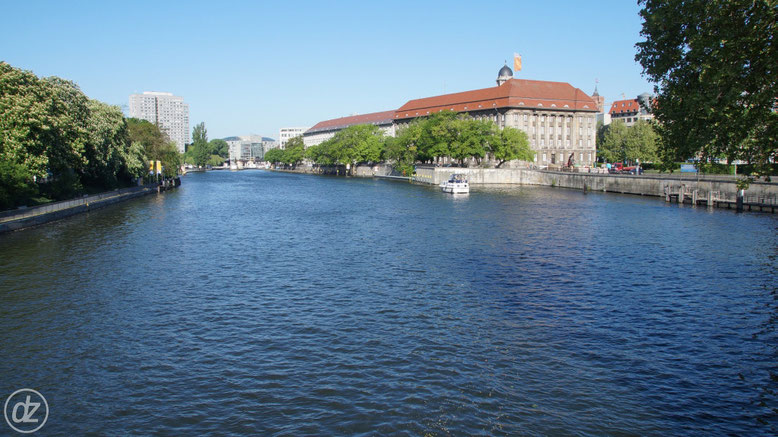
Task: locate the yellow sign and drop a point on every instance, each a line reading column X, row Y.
column 159, row 167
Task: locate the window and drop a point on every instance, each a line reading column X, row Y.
column 515, row 118
column 544, row 157
column 525, row 118
column 581, row 157
column 535, row 159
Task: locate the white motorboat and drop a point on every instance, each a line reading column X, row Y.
column 456, row 184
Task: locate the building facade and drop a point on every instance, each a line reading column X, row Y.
column 326, row 129
column 249, row 148
column 559, row 119
column 170, row 113
column 287, row 133
column 632, row 110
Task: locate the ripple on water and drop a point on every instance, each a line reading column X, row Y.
column 265, row 303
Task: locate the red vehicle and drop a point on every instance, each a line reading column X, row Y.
column 618, row 167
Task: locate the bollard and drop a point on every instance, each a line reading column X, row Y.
column 740, row 195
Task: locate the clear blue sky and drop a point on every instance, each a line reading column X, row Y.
column 253, row 67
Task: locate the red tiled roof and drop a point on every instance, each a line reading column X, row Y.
column 518, row 93
column 384, row 117
column 624, row 107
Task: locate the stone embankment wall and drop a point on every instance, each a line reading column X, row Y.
column 645, row 185
column 25, row 217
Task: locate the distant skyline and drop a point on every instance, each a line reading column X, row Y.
column 248, row 68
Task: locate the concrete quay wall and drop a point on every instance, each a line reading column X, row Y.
column 644, row 185
column 26, row 217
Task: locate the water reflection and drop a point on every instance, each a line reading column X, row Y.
column 266, row 303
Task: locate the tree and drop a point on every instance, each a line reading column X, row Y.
column 156, row 145
column 199, row 152
column 620, row 142
column 642, row 142
column 199, row 133
column 274, row 155
column 294, row 152
column 107, row 145
column 509, row 144
column 613, row 144
column 469, row 138
column 437, row 133
column 219, row 147
column 715, row 64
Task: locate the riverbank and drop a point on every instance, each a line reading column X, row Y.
column 720, row 191
column 21, row 218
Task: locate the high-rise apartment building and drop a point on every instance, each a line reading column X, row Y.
column 167, row 111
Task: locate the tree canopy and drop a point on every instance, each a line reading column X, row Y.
column 619, row 142
column 56, row 142
column 715, row 66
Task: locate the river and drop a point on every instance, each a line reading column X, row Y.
column 270, row 303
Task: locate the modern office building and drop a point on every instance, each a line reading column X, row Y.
column 167, row 111
column 249, row 147
column 287, row 133
column 326, row 129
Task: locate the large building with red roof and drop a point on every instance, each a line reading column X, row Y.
column 326, row 129
column 631, row 110
column 559, row 119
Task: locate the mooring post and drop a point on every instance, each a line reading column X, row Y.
column 694, row 197
column 680, row 194
column 740, row 195
column 710, row 199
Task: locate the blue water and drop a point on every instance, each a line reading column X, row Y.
column 278, row 304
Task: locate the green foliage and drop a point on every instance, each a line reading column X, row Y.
column 509, row 144
column 199, row 133
column 401, row 150
column 107, row 145
column 714, row 63
column 353, row 145
column 448, row 134
column 274, row 156
column 215, row 160
column 619, row 142
column 294, row 152
column 16, row 185
column 171, row 159
column 219, row 147
column 156, row 146
column 469, row 138
column 55, row 141
column 199, row 152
